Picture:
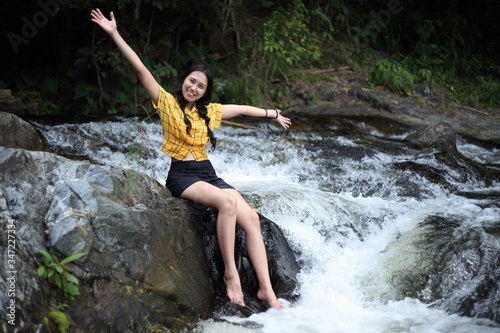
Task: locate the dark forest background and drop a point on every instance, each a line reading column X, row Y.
column 59, row 62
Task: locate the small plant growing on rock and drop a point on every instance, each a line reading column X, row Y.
column 58, row 319
column 57, row 274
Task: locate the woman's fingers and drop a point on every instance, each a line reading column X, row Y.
column 98, row 16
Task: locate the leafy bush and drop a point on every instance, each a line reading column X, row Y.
column 34, row 100
column 481, row 92
column 393, row 76
column 291, row 37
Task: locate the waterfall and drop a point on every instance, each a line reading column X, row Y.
column 389, row 238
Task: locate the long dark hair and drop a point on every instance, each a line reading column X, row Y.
column 201, row 104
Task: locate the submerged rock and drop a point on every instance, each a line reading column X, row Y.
column 145, row 264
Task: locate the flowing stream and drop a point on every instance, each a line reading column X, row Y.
column 389, row 238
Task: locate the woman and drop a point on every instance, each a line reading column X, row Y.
column 187, row 121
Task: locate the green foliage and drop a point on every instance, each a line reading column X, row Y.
column 55, row 273
column 61, row 306
column 483, row 91
column 243, row 90
column 161, row 4
column 34, row 100
column 277, row 94
column 254, row 44
column 429, row 60
column 51, row 86
column 439, row 45
column 60, row 320
column 442, row 55
column 86, row 92
column 392, row 75
column 289, row 39
column 162, row 69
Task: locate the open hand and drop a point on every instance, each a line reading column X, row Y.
column 283, row 121
column 107, row 25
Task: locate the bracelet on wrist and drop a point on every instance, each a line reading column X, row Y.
column 266, row 113
column 277, row 114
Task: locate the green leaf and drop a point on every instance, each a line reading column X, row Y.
column 40, row 270
column 73, row 257
column 121, row 97
column 58, row 281
column 62, row 306
column 70, row 277
column 47, row 255
column 72, row 289
column 52, row 85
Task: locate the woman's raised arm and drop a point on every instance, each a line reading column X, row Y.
column 109, row 26
column 233, row 110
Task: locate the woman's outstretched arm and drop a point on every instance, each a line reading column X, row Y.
column 109, row 26
column 233, row 110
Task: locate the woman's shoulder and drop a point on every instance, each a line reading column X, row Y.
column 166, row 101
column 165, row 93
column 214, row 107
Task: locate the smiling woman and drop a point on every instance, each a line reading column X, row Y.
column 194, row 88
column 196, row 84
column 188, row 119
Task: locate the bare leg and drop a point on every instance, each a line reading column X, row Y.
column 226, row 204
column 249, row 221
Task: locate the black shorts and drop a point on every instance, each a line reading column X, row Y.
column 186, row 173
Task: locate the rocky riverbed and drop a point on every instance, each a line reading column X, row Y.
column 151, row 262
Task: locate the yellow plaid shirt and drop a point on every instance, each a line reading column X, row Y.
column 176, row 141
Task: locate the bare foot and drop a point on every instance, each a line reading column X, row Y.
column 270, row 297
column 233, row 287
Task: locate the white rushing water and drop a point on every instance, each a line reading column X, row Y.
column 342, row 237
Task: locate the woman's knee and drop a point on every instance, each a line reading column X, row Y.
column 228, row 204
column 249, row 221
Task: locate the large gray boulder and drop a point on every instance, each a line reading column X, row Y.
column 17, row 133
column 146, row 264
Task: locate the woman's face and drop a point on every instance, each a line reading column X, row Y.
column 194, row 86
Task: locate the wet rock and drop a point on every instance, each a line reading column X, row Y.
column 145, row 262
column 369, row 97
column 455, row 266
column 440, row 136
column 17, row 133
